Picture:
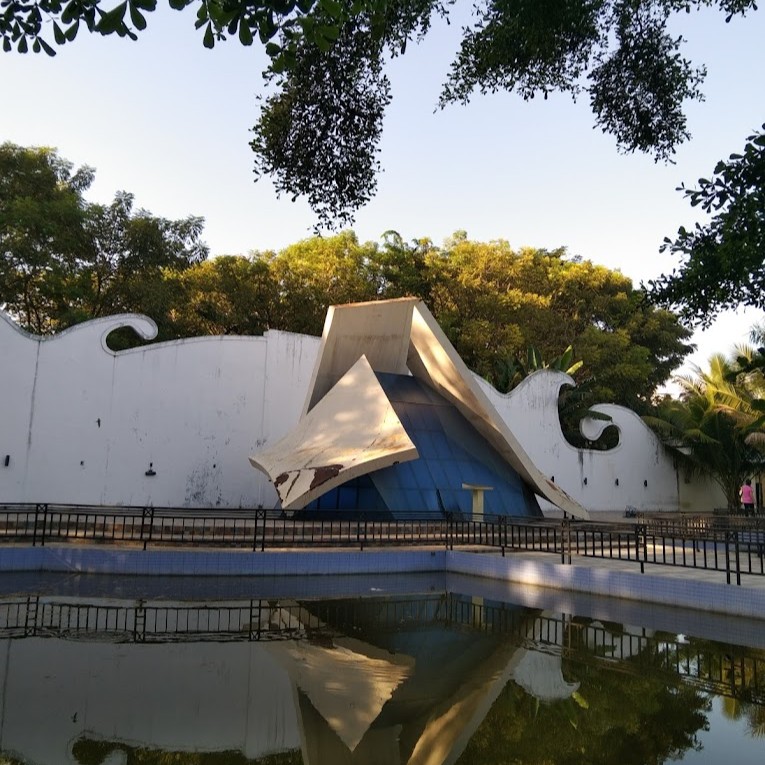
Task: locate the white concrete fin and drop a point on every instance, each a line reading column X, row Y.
column 351, row 431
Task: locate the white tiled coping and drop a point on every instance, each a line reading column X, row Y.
column 685, row 592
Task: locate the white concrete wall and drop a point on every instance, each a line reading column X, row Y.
column 82, row 424
column 645, row 471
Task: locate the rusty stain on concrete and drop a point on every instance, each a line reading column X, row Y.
column 323, row 473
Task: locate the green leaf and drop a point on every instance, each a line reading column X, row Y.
column 70, row 13
column 139, row 22
column 47, row 48
column 113, row 20
column 71, row 33
column 58, row 34
column 245, row 35
column 333, row 8
column 6, row 45
column 580, row 700
column 322, row 43
column 328, row 33
column 22, row 46
column 209, row 39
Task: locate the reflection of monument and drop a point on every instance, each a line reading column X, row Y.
column 411, row 696
column 416, row 679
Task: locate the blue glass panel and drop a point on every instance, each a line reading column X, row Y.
column 369, row 499
column 440, row 476
column 451, row 452
column 404, row 474
column 347, row 498
column 422, row 475
column 425, row 445
column 414, row 500
column 443, row 448
column 328, row 500
column 430, row 498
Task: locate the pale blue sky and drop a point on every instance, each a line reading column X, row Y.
column 169, row 121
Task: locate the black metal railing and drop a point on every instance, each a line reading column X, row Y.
column 733, row 546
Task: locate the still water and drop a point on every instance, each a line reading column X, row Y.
column 386, row 671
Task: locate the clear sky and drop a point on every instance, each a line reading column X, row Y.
column 169, row 121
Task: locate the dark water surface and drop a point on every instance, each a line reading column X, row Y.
column 408, row 670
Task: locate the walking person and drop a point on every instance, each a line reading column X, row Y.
column 747, row 497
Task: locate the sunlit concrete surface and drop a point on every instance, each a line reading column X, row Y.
column 352, row 430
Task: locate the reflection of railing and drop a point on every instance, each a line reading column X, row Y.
column 733, row 546
column 719, row 668
column 35, row 616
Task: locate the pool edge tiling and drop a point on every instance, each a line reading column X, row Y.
column 687, row 588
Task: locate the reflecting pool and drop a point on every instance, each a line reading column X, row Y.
column 429, row 670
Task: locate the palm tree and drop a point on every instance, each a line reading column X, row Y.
column 573, row 402
column 716, row 427
column 509, row 371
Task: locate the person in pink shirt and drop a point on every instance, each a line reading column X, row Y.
column 747, row 497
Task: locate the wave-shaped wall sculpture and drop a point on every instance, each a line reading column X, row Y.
column 172, row 424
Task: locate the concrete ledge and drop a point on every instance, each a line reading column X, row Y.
column 670, row 591
column 90, row 560
column 685, row 592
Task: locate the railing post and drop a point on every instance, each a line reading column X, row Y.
column 146, row 513
column 34, row 529
column 361, row 538
column 502, row 533
column 640, row 541
column 258, row 514
column 727, row 556
column 31, row 615
column 44, row 523
column 738, row 560
column 565, row 540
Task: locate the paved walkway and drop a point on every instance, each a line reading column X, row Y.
column 748, row 581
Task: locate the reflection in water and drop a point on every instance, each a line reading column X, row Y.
column 434, row 679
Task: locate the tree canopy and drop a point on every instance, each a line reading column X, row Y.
column 493, row 302
column 724, row 258
column 717, row 426
column 319, row 128
column 64, row 260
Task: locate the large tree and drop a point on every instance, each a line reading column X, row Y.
column 42, row 220
column 493, row 303
column 319, row 130
column 723, row 259
column 64, row 260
